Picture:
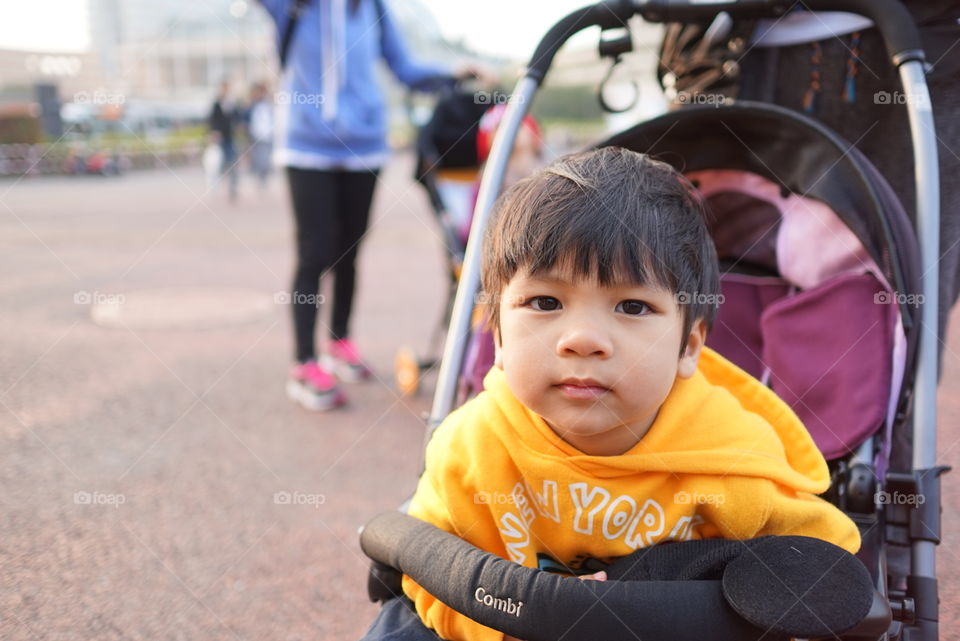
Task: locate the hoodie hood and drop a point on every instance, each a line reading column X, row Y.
column 720, row 421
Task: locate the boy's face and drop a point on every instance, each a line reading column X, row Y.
column 595, row 362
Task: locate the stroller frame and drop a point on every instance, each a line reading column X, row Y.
column 905, row 51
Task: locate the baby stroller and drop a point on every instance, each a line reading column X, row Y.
column 807, row 232
column 447, row 166
column 451, row 149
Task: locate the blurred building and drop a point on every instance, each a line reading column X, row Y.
column 178, row 51
column 21, row 71
column 152, row 63
column 33, row 85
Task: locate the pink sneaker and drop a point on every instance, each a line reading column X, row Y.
column 345, row 361
column 314, row 387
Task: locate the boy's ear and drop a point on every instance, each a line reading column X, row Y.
column 691, row 353
column 497, row 355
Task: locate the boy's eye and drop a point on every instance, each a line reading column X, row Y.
column 632, row 307
column 544, row 303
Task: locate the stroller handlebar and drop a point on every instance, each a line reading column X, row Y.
column 531, row 604
column 538, row 606
column 608, row 14
column 895, row 23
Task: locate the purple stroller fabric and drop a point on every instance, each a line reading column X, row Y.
column 824, row 351
column 476, row 363
column 828, row 352
column 821, row 331
column 736, row 331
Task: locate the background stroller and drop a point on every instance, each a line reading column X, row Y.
column 447, row 166
column 451, row 149
column 795, row 186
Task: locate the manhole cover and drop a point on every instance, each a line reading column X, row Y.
column 182, row 308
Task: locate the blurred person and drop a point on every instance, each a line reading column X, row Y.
column 527, row 154
column 331, row 127
column 222, row 121
column 260, row 130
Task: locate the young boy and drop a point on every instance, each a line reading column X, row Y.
column 606, row 425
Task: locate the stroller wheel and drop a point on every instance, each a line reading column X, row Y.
column 406, row 371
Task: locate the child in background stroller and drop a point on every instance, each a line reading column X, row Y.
column 823, row 301
column 451, row 151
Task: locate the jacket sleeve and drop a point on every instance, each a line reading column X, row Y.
column 277, row 9
column 430, row 503
column 410, row 72
column 804, row 514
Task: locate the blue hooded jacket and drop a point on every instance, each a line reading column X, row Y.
column 324, row 123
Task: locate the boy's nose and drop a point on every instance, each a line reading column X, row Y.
column 584, row 340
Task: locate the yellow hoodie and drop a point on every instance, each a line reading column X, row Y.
column 725, row 458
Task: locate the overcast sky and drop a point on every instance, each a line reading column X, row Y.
column 44, row 24
column 503, row 27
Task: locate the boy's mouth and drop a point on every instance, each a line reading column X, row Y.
column 582, row 388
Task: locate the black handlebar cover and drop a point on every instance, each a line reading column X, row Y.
column 539, row 606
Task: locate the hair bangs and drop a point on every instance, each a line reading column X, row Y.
column 585, row 244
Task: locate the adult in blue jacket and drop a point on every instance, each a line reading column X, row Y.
column 331, row 128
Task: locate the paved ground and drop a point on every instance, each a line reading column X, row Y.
column 141, row 463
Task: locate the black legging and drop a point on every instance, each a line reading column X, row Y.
column 331, row 208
